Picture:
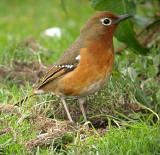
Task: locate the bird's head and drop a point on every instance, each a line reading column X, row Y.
column 102, row 24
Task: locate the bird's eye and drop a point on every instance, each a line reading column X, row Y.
column 106, row 21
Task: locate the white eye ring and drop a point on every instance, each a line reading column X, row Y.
column 106, row 21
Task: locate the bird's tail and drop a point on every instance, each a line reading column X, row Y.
column 24, row 99
column 35, row 92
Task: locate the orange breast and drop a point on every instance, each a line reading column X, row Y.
column 93, row 69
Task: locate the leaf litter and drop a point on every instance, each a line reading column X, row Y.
column 19, row 72
column 51, row 131
column 7, row 108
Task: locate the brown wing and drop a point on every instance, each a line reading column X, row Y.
column 67, row 59
column 54, row 73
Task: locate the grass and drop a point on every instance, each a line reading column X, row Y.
column 137, row 138
column 123, row 113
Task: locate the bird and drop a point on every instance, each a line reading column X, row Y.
column 86, row 65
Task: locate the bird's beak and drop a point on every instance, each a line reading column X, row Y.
column 121, row 18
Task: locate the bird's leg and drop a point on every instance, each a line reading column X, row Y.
column 81, row 102
column 66, row 108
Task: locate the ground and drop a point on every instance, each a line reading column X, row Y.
column 124, row 115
